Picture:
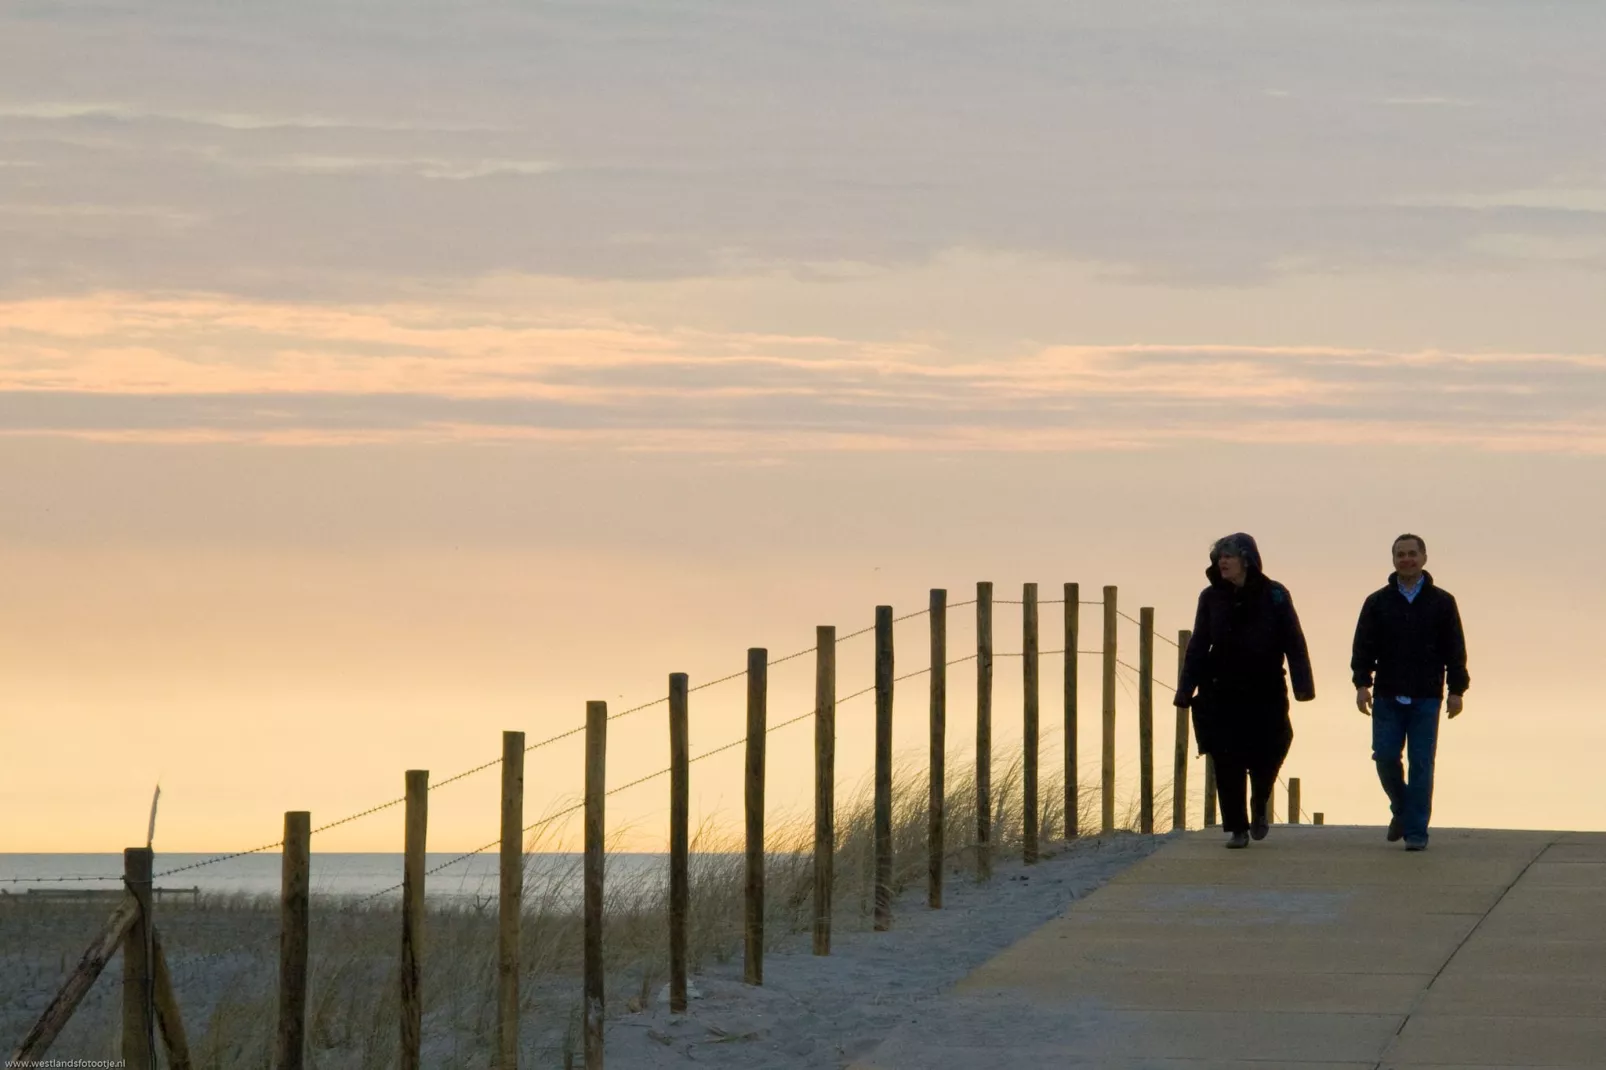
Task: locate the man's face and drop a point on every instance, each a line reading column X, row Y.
column 1409, row 559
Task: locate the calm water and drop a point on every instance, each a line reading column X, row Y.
column 332, row 874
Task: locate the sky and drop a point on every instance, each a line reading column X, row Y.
column 378, row 377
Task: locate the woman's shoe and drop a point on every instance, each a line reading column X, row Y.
column 1239, row 841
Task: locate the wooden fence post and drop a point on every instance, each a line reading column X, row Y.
column 60, row 1010
column 1318, row 818
column 1146, row 720
column 935, row 809
column 1210, row 792
column 883, row 768
column 1179, row 770
column 824, row 783
column 294, row 884
column 139, row 967
column 753, row 929
column 168, row 1018
column 1293, row 800
column 596, row 797
column 510, row 902
column 1073, row 629
column 1111, row 624
column 984, row 730
column 412, row 992
column 679, row 838
column 1029, row 727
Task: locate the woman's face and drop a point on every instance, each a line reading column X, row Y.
column 1231, row 567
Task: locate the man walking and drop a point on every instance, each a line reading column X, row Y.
column 1409, row 643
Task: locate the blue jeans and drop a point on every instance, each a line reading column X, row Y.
column 1412, row 729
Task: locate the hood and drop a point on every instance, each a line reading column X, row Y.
column 1241, row 543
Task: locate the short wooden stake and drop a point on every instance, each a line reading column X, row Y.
column 1293, row 800
column 935, row 810
column 1179, row 769
column 510, row 901
column 139, row 989
column 1146, row 721
column 1029, row 725
column 1112, row 622
column 679, row 838
column 824, row 783
column 596, row 797
column 753, row 927
column 1210, row 792
column 1073, row 629
column 1318, row 818
column 412, row 969
column 295, row 880
column 984, row 730
column 883, row 768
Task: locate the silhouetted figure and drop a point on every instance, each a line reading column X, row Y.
column 1233, row 678
column 1410, row 639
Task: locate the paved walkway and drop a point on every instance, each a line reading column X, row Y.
column 1316, row 948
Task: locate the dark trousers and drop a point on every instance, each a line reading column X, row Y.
column 1410, row 729
column 1231, row 772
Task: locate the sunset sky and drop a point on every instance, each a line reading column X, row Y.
column 375, row 377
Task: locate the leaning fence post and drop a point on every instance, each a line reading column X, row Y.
column 883, row 768
column 294, row 883
column 1029, row 727
column 753, row 929
column 412, row 993
column 1146, row 720
column 139, row 967
column 1210, row 792
column 984, row 730
column 1293, row 800
column 1111, row 621
column 174, row 1038
column 596, row 796
column 1179, row 770
column 679, row 839
column 1073, row 628
column 824, row 783
column 510, row 903
column 935, row 809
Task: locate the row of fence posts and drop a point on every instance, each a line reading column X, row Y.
column 293, row 945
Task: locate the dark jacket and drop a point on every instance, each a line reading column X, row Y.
column 1411, row 647
column 1232, row 672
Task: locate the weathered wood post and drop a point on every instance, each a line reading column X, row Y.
column 37, row 1042
column 984, row 730
column 1146, row 720
column 295, row 880
column 824, row 783
column 510, row 901
column 1210, row 792
column 1029, row 726
column 596, row 797
column 935, row 809
column 168, row 1018
column 1111, row 634
column 679, row 838
column 753, row 927
column 1318, row 818
column 1179, row 770
column 139, row 967
column 1073, row 629
column 412, row 973
column 1293, row 800
column 883, row 768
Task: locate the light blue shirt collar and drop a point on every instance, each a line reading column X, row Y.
column 1412, row 591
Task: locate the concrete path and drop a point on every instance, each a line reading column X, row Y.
column 1316, row 948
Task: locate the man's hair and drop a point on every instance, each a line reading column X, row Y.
column 1421, row 544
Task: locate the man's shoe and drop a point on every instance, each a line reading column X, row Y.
column 1239, row 841
column 1416, row 843
column 1396, row 831
column 1259, row 829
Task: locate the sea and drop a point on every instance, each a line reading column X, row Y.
column 332, row 875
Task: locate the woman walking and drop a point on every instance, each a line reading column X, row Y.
column 1233, row 678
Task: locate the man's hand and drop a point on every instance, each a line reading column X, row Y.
column 1363, row 700
column 1454, row 706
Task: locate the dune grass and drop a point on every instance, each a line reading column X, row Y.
column 224, row 951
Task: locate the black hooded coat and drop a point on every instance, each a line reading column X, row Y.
column 1232, row 672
